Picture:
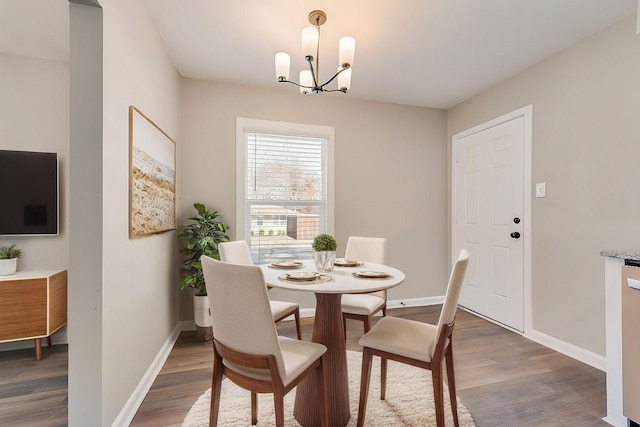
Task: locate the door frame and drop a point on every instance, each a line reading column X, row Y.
column 527, row 113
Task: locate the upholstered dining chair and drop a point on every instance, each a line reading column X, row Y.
column 362, row 307
column 246, row 346
column 417, row 344
column 237, row 252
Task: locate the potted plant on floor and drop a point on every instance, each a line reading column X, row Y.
column 201, row 235
column 324, row 252
column 9, row 260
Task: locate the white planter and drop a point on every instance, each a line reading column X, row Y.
column 324, row 260
column 8, row 266
column 201, row 311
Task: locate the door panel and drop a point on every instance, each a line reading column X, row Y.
column 489, row 194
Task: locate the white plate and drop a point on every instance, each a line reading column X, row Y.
column 341, row 262
column 301, row 279
column 286, row 264
column 303, row 275
column 371, row 274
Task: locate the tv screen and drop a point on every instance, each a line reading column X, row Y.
column 28, row 193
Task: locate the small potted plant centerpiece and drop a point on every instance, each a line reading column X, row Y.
column 202, row 235
column 9, row 259
column 324, row 252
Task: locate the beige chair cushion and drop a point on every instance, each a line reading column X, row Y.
column 413, row 339
column 456, row 280
column 240, row 309
column 296, row 355
column 401, row 336
column 279, row 308
column 364, row 304
column 372, row 249
column 238, row 252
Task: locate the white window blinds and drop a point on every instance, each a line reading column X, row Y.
column 285, row 194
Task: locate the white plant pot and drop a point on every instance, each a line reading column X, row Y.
column 8, row 266
column 201, row 311
column 324, row 260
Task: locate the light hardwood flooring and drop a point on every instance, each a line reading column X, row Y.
column 502, row 378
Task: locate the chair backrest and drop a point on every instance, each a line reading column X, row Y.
column 372, row 249
column 236, row 252
column 240, row 309
column 448, row 313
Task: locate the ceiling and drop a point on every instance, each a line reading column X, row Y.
column 432, row 53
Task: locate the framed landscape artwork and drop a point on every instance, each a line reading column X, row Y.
column 152, row 177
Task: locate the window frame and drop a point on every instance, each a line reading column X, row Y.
column 247, row 125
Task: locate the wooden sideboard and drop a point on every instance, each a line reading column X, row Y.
column 33, row 305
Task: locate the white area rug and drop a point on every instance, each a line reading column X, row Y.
column 409, row 400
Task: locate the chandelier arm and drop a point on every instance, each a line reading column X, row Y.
column 344, row 90
column 333, row 78
column 294, row 83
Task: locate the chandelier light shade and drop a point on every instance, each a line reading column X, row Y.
column 309, row 79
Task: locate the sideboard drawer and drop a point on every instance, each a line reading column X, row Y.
column 24, row 309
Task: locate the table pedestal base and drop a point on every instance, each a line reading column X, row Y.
column 328, row 330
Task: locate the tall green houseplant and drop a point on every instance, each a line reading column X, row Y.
column 202, row 235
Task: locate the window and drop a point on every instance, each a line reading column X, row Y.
column 285, row 187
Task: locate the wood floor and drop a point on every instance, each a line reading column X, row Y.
column 502, row 378
column 33, row 393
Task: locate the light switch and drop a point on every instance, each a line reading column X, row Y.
column 541, row 189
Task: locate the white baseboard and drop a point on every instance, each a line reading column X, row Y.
column 580, row 354
column 135, row 400
column 415, row 302
column 617, row 421
column 306, row 312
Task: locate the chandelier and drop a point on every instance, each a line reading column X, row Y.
column 309, row 79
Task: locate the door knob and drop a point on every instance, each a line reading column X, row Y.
column 515, row 235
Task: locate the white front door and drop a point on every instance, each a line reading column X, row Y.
column 489, row 219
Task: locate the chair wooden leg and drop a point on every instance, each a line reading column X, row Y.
column 278, row 406
column 438, row 395
column 367, row 324
column 216, row 385
column 451, row 379
column 364, row 385
column 254, row 408
column 297, row 318
column 49, row 342
column 344, row 326
column 383, row 378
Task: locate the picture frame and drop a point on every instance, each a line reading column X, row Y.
column 152, row 177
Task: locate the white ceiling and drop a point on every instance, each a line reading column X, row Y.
column 433, row 53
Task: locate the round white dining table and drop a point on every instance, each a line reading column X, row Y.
column 328, row 329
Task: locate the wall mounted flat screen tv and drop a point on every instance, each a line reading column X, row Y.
column 28, row 193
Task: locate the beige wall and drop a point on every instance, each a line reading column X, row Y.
column 586, row 102
column 123, row 296
column 390, row 170
column 34, row 107
column 34, row 112
column 140, row 275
